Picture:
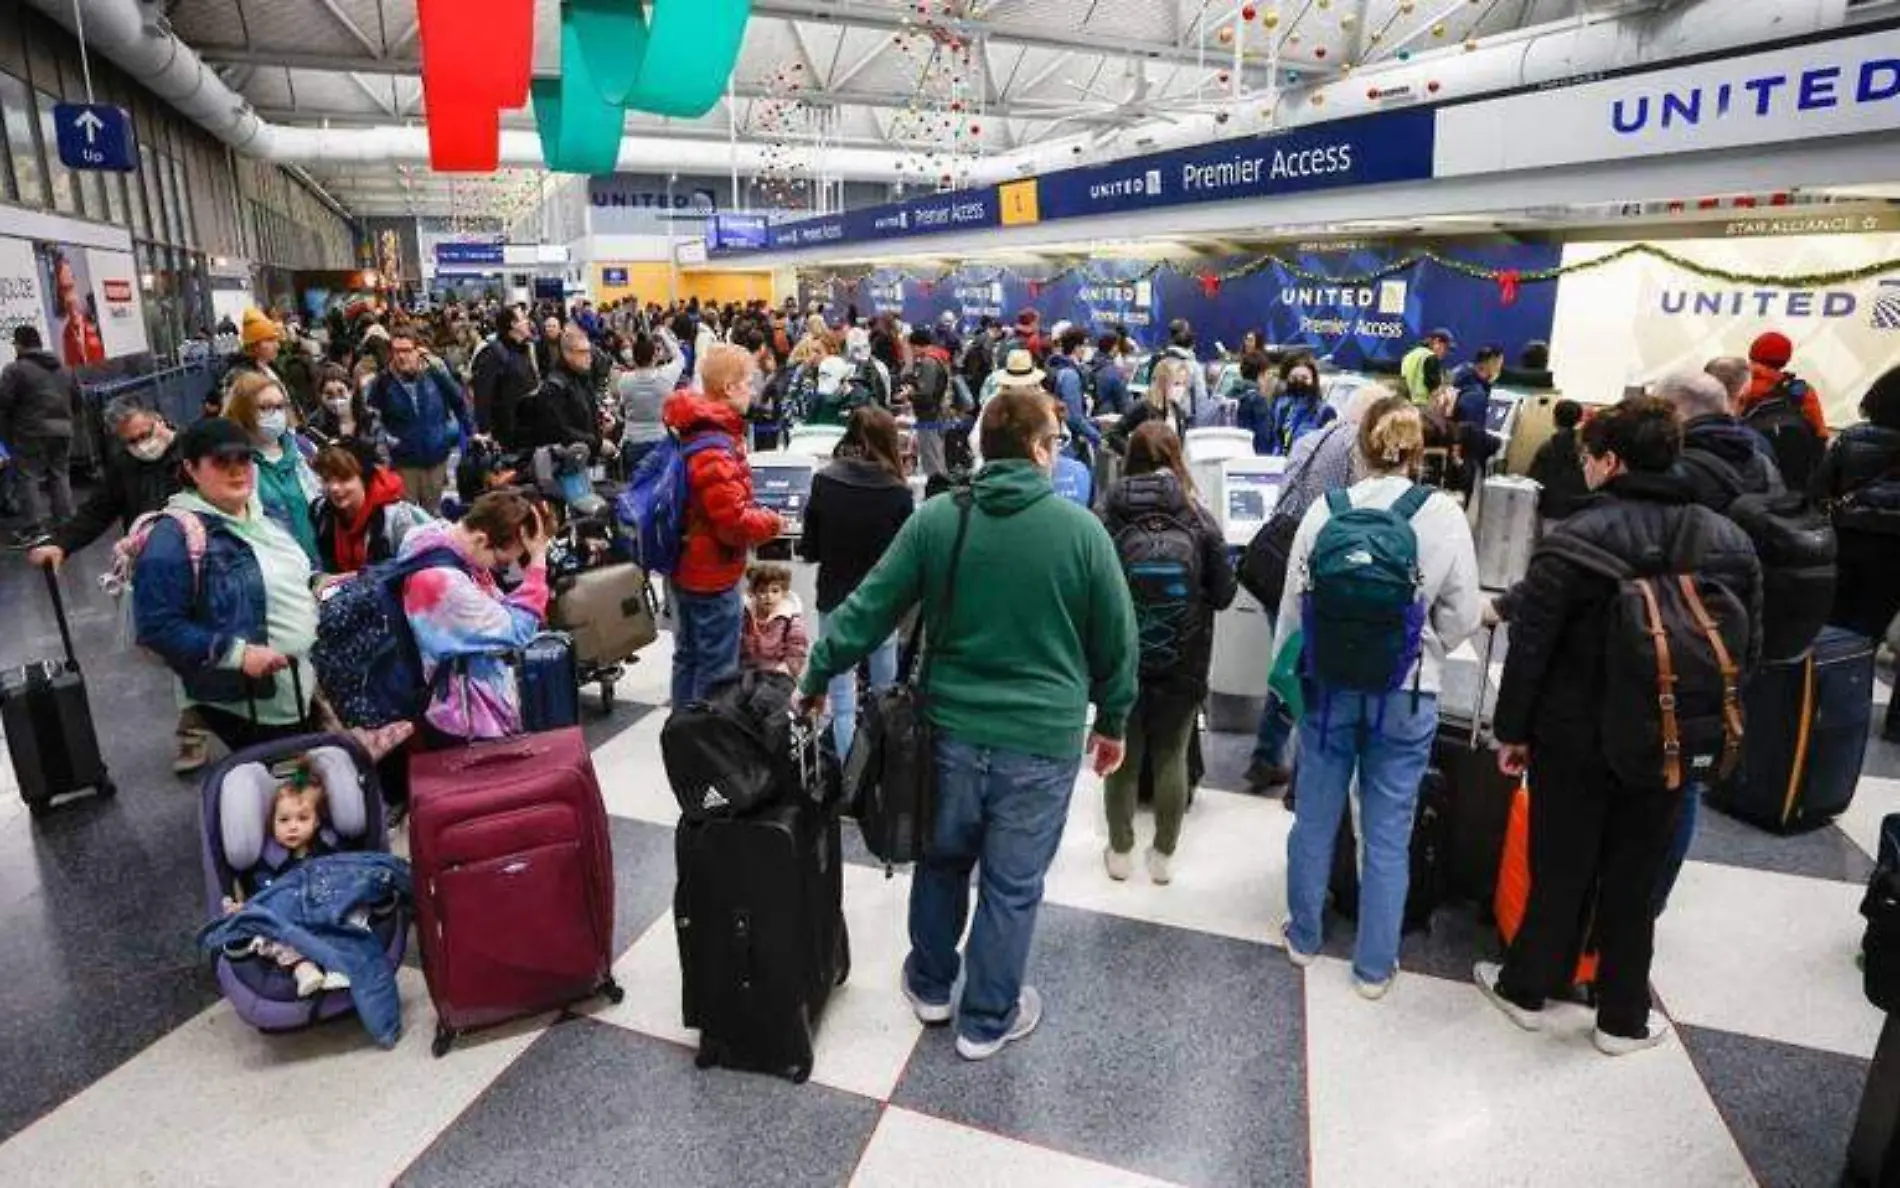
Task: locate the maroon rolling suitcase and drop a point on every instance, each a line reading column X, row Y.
column 513, row 879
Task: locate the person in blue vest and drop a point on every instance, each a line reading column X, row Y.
column 425, row 414
column 1066, row 380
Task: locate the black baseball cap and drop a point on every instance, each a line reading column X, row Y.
column 1446, row 335
column 214, row 437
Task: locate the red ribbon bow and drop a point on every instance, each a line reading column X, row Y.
column 1035, row 289
column 1507, row 286
column 1210, row 284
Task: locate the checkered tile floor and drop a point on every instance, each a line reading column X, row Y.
column 1179, row 1046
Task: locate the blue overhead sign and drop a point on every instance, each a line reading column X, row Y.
column 1365, row 151
column 736, row 233
column 1368, row 150
column 468, row 255
column 94, row 136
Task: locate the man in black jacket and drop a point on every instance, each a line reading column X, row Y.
column 139, row 477
column 566, row 411
column 37, row 400
column 1721, row 458
column 1590, row 831
column 503, row 376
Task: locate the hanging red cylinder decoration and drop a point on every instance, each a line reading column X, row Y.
column 1508, row 281
column 1035, row 289
column 477, row 58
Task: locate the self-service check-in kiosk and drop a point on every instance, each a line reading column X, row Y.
column 1243, row 496
column 781, row 480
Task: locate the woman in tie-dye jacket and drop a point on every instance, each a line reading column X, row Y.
column 461, row 617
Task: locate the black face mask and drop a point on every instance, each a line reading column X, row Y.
column 1300, row 387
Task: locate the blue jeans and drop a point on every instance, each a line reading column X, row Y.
column 843, row 690
column 1004, row 811
column 705, row 641
column 1390, row 757
column 1276, row 726
column 1679, row 845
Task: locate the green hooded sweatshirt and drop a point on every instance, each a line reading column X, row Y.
column 1040, row 627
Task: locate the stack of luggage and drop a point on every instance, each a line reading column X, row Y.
column 759, row 906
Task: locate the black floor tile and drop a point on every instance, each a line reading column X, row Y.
column 1460, row 936
column 1824, row 853
column 1791, row 1109
column 643, row 878
column 589, row 1103
column 1199, row 1078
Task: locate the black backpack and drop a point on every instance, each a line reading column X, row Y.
column 865, row 386
column 1673, row 650
column 1161, row 558
column 1797, row 548
column 929, row 385
column 1778, row 418
column 741, row 749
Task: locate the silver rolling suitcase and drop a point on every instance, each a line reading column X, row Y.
column 1507, row 530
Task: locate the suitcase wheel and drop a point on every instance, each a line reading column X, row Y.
column 444, row 1040
column 613, row 991
column 606, row 696
column 107, row 788
column 39, row 808
column 844, row 958
column 798, row 1074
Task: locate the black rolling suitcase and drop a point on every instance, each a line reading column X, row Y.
column 759, row 911
column 1477, row 795
column 1807, row 722
column 1425, row 886
column 48, row 723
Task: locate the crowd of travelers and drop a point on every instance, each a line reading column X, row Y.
column 1080, row 628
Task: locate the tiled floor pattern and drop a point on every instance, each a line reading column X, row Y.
column 1179, row 1046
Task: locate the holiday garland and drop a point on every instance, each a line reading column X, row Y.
column 1507, row 279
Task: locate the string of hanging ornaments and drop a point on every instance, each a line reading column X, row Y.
column 1508, row 280
column 943, row 120
column 788, row 121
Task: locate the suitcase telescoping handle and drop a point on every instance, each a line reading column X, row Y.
column 296, row 687
column 1484, row 679
column 59, row 614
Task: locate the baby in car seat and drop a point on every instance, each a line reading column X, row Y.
column 298, row 833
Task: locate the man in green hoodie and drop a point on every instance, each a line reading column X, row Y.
column 1040, row 626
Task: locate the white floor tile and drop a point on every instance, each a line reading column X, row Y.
column 632, row 775
column 917, row 1151
column 216, row 1102
column 650, row 679
column 867, row 1032
column 1766, row 955
column 1874, row 798
column 1229, row 869
column 1431, row 1085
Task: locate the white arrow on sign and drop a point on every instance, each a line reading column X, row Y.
column 89, row 124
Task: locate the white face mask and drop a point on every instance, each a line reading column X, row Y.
column 273, row 424
column 149, row 450
column 1084, row 354
column 626, row 356
column 337, row 404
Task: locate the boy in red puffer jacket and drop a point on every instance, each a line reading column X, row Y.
column 722, row 524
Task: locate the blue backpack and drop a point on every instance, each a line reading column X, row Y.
column 1362, row 618
column 655, row 502
column 365, row 655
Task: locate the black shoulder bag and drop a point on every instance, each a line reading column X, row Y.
column 890, row 776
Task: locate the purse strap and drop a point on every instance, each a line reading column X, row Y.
column 965, row 500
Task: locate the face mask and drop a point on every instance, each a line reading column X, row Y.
column 337, row 404
column 1085, row 354
column 1300, row 387
column 274, row 423
column 149, row 450
column 626, row 356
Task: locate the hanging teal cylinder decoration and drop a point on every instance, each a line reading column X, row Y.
column 580, row 131
column 614, row 57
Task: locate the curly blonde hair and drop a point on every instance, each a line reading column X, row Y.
column 1392, row 436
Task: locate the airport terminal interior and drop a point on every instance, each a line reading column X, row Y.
column 1519, row 213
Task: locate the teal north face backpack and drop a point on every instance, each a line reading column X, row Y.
column 1361, row 616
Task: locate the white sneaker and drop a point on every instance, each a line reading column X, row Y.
column 1120, row 863
column 1028, row 1015
column 1292, row 954
column 930, row 1014
column 309, row 979
column 1374, row 991
column 1160, row 867
column 336, row 979
column 1485, row 973
column 1622, row 1045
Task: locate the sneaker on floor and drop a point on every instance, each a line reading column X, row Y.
column 336, row 979
column 930, row 1014
column 194, row 751
column 1263, row 778
column 1028, row 1015
column 1374, row 991
column 1485, row 973
column 1120, row 863
column 309, row 979
column 1160, row 867
column 1622, row 1045
column 1292, row 954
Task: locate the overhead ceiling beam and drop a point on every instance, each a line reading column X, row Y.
column 1019, row 108
column 355, row 30
column 523, row 122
